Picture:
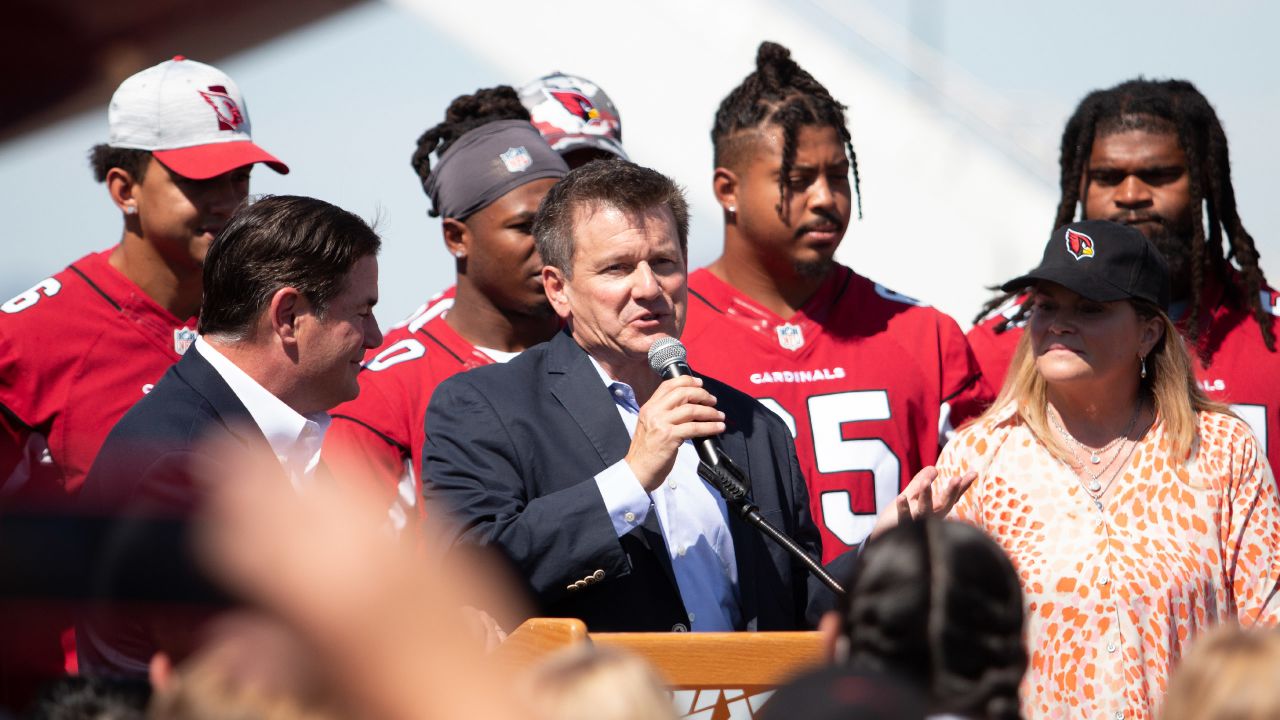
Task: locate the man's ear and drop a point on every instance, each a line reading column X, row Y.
column 724, row 183
column 1152, row 331
column 122, row 187
column 457, row 240
column 556, row 286
column 287, row 305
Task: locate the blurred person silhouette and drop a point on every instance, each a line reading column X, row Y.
column 838, row 692
column 1138, row 511
column 1228, row 674
column 935, row 604
column 586, row 682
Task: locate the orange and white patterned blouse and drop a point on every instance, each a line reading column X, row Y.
column 1114, row 594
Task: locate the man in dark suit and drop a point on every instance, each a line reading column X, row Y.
column 289, row 288
column 575, row 459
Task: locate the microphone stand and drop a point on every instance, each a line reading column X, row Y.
column 729, row 479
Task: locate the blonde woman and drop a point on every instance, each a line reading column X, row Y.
column 1136, row 511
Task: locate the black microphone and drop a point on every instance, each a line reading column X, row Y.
column 667, row 358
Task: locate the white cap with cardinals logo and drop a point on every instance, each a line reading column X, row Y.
column 191, row 116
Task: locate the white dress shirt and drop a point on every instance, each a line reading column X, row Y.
column 693, row 518
column 295, row 439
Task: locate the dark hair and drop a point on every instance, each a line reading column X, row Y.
column 1176, row 107
column 465, row 113
column 89, row 698
column 276, row 242
column 613, row 183
column 938, row 604
column 780, row 93
column 103, row 157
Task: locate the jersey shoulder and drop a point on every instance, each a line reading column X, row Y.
column 67, row 299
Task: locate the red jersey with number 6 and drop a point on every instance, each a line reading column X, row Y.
column 870, row 383
column 76, row 352
column 379, row 434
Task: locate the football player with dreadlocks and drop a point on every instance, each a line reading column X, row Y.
column 492, row 169
column 1152, row 154
column 869, row 381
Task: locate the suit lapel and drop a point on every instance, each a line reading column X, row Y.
column 201, row 377
column 574, row 382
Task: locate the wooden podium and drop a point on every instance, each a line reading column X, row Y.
column 713, row 676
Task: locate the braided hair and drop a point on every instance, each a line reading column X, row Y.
column 465, row 113
column 780, row 93
column 938, row 604
column 1172, row 106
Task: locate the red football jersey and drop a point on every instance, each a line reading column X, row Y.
column 380, row 433
column 77, row 350
column 869, row 382
column 1242, row 372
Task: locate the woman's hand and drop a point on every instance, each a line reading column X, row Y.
column 918, row 499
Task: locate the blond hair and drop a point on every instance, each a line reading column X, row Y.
column 586, row 682
column 1170, row 383
column 1229, row 674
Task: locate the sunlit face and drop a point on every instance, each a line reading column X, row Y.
column 628, row 285
column 502, row 261
column 813, row 221
column 330, row 347
column 1075, row 339
column 180, row 216
column 1140, row 178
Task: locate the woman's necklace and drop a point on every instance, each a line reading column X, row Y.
column 1095, row 487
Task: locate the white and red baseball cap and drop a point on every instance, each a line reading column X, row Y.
column 573, row 113
column 191, row 116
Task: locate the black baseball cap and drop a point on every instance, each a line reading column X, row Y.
column 1103, row 261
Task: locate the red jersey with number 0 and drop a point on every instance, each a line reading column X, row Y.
column 1242, row 372
column 869, row 382
column 380, row 433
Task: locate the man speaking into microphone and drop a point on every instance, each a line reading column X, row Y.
column 576, row 459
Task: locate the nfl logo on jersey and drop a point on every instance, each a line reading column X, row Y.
column 182, row 340
column 790, row 337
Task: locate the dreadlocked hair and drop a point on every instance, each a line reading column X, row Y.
column 1170, row 106
column 465, row 113
column 780, row 93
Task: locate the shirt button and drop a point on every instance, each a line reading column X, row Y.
column 629, row 517
column 1111, row 647
column 1104, row 580
column 671, row 484
column 1119, row 715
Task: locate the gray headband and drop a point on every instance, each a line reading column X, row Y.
column 487, row 163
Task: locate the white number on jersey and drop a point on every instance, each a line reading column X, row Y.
column 834, row 454
column 396, row 353
column 45, row 288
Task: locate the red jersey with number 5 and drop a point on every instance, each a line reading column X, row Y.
column 380, row 433
column 870, row 383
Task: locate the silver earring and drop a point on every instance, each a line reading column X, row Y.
column 733, row 209
column 130, row 210
column 1143, row 373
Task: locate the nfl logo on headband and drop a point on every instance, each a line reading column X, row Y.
column 516, row 159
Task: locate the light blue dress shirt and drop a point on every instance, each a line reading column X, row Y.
column 693, row 518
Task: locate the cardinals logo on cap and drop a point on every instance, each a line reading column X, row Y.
column 229, row 115
column 1079, row 245
column 576, row 103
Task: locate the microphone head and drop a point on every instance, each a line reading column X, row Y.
column 664, row 351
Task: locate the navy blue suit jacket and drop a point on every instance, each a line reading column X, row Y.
column 146, row 472
column 511, row 453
